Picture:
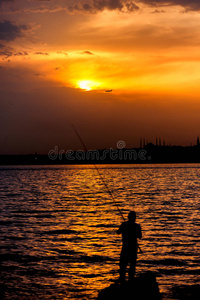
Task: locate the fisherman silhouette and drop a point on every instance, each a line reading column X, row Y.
column 130, row 232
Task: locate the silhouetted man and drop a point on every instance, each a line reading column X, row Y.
column 130, row 232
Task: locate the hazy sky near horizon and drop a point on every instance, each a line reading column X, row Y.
column 59, row 57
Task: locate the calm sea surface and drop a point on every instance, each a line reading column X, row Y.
column 58, row 227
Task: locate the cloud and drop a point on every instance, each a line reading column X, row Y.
column 1, row 1
column 187, row 4
column 157, row 11
column 41, row 53
column 39, row 74
column 100, row 5
column 87, row 52
column 7, row 52
column 9, row 31
column 60, row 68
column 32, row 6
column 62, row 52
column 93, row 6
column 108, row 4
column 21, row 53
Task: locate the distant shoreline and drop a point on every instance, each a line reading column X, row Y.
column 150, row 154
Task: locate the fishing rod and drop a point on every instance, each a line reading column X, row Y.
column 102, row 179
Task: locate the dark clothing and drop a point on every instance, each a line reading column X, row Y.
column 130, row 232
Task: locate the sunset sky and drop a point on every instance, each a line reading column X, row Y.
column 58, row 59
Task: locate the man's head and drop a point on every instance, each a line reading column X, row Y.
column 132, row 216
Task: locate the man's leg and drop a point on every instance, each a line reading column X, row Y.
column 122, row 267
column 132, row 267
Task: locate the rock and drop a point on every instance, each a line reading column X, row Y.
column 141, row 288
column 186, row 292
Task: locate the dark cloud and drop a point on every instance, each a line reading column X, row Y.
column 1, row 1
column 100, row 5
column 22, row 53
column 41, row 53
column 87, row 52
column 93, row 6
column 108, row 4
column 157, row 11
column 63, row 67
column 130, row 6
column 6, row 52
column 39, row 74
column 9, row 31
column 187, row 4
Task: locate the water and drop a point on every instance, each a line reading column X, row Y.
column 58, row 227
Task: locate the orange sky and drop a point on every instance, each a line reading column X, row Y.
column 57, row 59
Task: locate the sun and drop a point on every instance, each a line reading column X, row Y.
column 88, row 85
column 85, row 85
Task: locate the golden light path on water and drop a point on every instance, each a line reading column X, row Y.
column 58, row 227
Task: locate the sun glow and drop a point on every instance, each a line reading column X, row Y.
column 87, row 85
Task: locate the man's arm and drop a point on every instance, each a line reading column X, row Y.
column 119, row 231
